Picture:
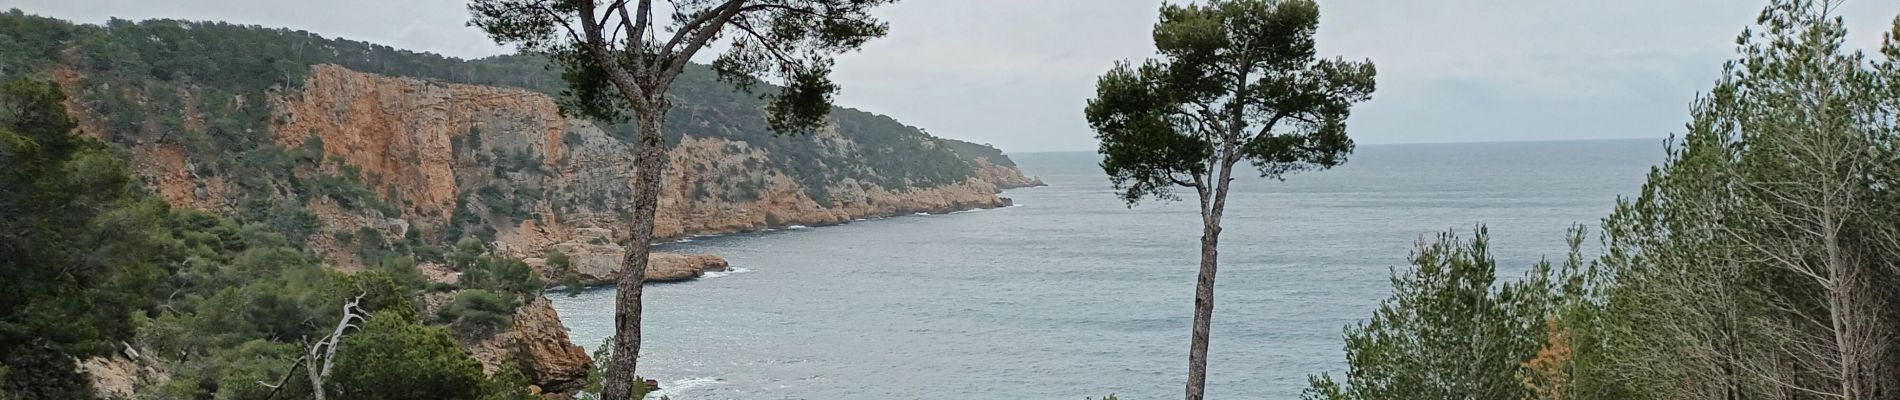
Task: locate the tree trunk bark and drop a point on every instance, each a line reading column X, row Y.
column 651, row 155
column 1211, row 212
column 1203, row 310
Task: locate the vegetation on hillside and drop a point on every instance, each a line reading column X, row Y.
column 1756, row 263
column 147, row 78
column 95, row 267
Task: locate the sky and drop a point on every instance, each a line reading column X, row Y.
column 1016, row 73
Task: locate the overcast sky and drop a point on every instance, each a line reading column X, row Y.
column 1015, row 73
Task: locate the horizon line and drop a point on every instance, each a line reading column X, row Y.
column 1609, row 139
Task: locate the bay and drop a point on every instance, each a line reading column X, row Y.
column 1072, row 294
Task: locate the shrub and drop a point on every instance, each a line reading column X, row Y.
column 478, row 313
column 393, row 358
column 501, row 274
column 383, row 292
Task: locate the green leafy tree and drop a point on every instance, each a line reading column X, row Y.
column 75, row 251
column 394, row 358
column 1450, row 330
column 618, row 55
column 1238, row 80
column 478, row 313
column 502, row 274
column 1757, row 261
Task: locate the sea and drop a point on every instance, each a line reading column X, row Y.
column 1072, row 294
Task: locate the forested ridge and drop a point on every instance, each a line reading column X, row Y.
column 205, row 87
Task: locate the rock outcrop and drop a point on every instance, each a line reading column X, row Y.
column 546, row 354
column 120, row 374
column 595, row 260
column 535, row 342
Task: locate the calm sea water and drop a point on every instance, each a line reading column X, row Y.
column 1071, row 294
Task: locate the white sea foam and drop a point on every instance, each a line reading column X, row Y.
column 675, row 388
column 728, row 271
column 797, row 227
column 922, row 214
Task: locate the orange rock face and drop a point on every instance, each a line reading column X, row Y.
column 399, row 131
column 427, row 145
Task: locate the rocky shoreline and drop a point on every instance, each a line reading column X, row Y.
column 595, row 258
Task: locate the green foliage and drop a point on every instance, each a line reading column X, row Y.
column 346, row 188
column 496, row 283
column 797, row 48
column 75, row 278
column 563, row 266
column 1756, row 261
column 596, row 375
column 394, row 358
column 383, row 291
column 716, row 101
column 478, row 313
column 1450, row 330
column 510, row 384
column 501, row 274
column 1238, row 80
column 221, row 305
column 39, row 374
column 511, row 207
column 974, row 151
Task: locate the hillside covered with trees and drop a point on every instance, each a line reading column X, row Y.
column 1758, row 262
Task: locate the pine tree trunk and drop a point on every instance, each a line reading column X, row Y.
column 646, row 199
column 1203, row 310
column 1213, row 206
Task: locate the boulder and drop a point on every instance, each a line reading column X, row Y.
column 670, row 267
column 547, row 357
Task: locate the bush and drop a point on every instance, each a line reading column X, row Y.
column 563, row 266
column 500, row 274
column 478, row 313
column 596, row 377
column 393, row 358
column 39, row 374
column 1451, row 329
column 383, row 292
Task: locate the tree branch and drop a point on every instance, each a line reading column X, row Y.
column 1178, row 181
column 705, row 30
column 286, row 379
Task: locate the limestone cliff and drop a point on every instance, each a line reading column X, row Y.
column 508, row 156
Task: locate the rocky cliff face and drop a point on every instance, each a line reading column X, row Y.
column 507, row 157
